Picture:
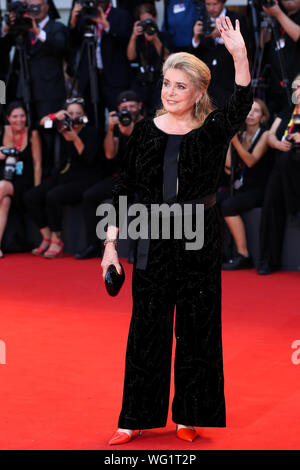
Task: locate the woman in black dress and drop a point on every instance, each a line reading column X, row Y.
column 28, row 170
column 80, row 169
column 253, row 163
column 165, row 273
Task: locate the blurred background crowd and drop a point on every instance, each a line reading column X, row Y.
column 76, row 88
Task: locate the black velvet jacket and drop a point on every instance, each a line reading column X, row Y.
column 201, row 159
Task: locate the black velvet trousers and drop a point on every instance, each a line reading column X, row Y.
column 189, row 280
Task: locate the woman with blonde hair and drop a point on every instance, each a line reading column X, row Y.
column 178, row 157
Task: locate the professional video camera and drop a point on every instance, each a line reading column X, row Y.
column 21, row 10
column 296, row 128
column 149, row 27
column 89, row 9
column 125, row 117
column 12, row 166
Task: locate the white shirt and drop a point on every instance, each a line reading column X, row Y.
column 42, row 36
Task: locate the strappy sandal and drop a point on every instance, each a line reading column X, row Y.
column 51, row 254
column 39, row 251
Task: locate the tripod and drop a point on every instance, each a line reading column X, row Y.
column 24, row 77
column 88, row 45
column 257, row 79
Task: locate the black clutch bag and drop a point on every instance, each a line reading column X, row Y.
column 113, row 280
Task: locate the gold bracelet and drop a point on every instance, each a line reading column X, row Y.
column 110, row 240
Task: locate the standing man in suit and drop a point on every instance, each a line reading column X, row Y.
column 209, row 47
column 45, row 45
column 112, row 30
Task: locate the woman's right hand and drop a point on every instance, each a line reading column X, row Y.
column 61, row 115
column 137, row 29
column 284, row 146
column 110, row 256
column 2, row 156
column 75, row 14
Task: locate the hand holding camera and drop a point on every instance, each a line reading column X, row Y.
column 11, row 156
column 123, row 119
column 75, row 14
column 271, row 7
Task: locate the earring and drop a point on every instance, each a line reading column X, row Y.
column 196, row 108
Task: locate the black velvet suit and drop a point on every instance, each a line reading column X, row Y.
column 189, row 280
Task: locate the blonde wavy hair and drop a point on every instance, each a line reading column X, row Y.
column 200, row 76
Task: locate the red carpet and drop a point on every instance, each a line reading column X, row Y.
column 65, row 340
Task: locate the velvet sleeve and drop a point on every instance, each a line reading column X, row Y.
column 236, row 109
column 126, row 180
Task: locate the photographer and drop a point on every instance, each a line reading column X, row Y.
column 20, row 161
column 150, row 47
column 209, row 47
column 282, row 196
column 120, row 127
column 249, row 158
column 287, row 26
column 79, row 171
column 44, row 45
column 111, row 31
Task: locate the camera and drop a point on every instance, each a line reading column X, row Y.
column 296, row 128
column 125, row 117
column 89, row 9
column 149, row 27
column 66, row 123
column 10, row 163
column 206, row 24
column 21, row 9
column 268, row 3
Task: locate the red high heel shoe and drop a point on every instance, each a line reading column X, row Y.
column 186, row 434
column 121, row 437
column 51, row 254
column 39, row 251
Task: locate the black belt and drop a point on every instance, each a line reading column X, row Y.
column 144, row 243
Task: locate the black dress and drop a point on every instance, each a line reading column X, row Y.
column 251, row 193
column 189, row 280
column 21, row 182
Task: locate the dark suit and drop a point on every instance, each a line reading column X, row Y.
column 220, row 62
column 116, row 75
column 45, row 61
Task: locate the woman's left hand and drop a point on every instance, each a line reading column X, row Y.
column 233, row 40
column 70, row 135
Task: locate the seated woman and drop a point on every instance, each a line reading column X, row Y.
column 27, row 170
column 282, row 195
column 149, row 47
column 80, row 170
column 249, row 147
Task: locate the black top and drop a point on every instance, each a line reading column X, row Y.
column 27, row 162
column 74, row 165
column 147, row 53
column 171, row 167
column 258, row 174
column 285, row 116
column 24, row 176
